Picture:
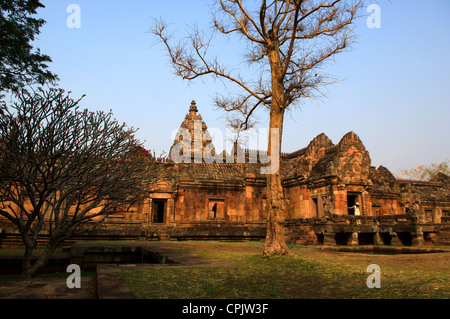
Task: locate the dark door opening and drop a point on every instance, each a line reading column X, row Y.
column 159, row 209
column 214, row 209
column 352, row 199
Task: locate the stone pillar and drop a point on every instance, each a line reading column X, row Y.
column 170, row 217
column 353, row 240
column 376, row 236
column 417, row 237
column 395, row 241
column 328, row 239
column 377, row 239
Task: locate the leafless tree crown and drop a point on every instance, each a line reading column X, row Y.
column 288, row 42
column 65, row 166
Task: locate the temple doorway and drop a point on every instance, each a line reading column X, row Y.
column 159, row 209
column 352, row 199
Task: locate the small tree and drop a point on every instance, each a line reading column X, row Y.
column 426, row 172
column 288, row 43
column 20, row 63
column 64, row 167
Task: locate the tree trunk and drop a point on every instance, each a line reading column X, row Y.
column 26, row 262
column 30, row 269
column 275, row 243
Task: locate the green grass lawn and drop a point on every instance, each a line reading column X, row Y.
column 308, row 273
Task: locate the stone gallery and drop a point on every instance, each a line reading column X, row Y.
column 333, row 197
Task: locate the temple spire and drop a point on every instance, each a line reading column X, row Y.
column 198, row 136
column 193, row 108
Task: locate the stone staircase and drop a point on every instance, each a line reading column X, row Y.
column 163, row 234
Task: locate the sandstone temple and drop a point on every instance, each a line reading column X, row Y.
column 333, row 197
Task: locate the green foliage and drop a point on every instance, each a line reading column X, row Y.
column 20, row 63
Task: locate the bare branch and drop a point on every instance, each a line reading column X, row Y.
column 242, row 21
column 296, row 29
column 189, row 59
column 73, row 165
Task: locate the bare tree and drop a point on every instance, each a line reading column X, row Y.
column 288, row 43
column 62, row 168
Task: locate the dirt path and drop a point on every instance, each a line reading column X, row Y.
column 47, row 288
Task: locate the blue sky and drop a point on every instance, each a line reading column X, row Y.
column 394, row 92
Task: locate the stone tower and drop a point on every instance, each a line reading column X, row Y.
column 193, row 141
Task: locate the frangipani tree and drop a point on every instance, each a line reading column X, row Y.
column 64, row 167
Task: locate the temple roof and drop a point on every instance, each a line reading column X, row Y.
column 348, row 159
column 323, row 158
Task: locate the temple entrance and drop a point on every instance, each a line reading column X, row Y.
column 352, row 199
column 158, row 211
